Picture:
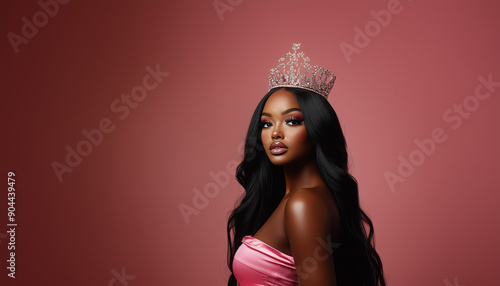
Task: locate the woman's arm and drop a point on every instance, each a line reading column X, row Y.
column 309, row 221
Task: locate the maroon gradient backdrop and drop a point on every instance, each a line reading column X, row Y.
column 417, row 93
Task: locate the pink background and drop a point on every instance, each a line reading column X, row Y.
column 118, row 210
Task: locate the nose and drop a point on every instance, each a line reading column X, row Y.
column 277, row 133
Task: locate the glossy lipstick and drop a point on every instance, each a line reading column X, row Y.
column 278, row 148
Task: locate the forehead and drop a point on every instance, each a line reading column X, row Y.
column 280, row 100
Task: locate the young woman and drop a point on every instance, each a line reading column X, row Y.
column 299, row 222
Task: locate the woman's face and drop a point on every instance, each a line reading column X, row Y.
column 283, row 131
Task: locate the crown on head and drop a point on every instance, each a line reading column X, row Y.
column 297, row 72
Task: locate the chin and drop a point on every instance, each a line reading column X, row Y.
column 281, row 160
column 278, row 160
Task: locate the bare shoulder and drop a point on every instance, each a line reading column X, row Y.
column 311, row 207
column 311, row 219
column 319, row 199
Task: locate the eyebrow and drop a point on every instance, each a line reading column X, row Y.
column 282, row 113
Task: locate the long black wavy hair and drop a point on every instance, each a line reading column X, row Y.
column 356, row 261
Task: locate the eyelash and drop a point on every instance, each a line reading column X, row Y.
column 294, row 119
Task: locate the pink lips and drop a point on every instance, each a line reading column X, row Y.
column 278, row 148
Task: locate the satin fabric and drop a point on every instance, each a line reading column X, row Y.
column 258, row 264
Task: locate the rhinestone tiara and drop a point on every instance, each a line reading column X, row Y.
column 297, row 72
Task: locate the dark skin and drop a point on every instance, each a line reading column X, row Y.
column 308, row 212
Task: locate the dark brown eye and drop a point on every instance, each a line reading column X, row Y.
column 294, row 121
column 265, row 124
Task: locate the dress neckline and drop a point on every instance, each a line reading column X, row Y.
column 267, row 246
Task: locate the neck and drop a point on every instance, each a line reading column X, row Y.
column 302, row 175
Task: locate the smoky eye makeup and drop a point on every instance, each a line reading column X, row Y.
column 291, row 120
column 264, row 123
column 297, row 117
column 294, row 120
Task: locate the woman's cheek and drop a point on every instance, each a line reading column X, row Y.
column 300, row 137
column 265, row 139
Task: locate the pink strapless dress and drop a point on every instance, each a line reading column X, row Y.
column 258, row 264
